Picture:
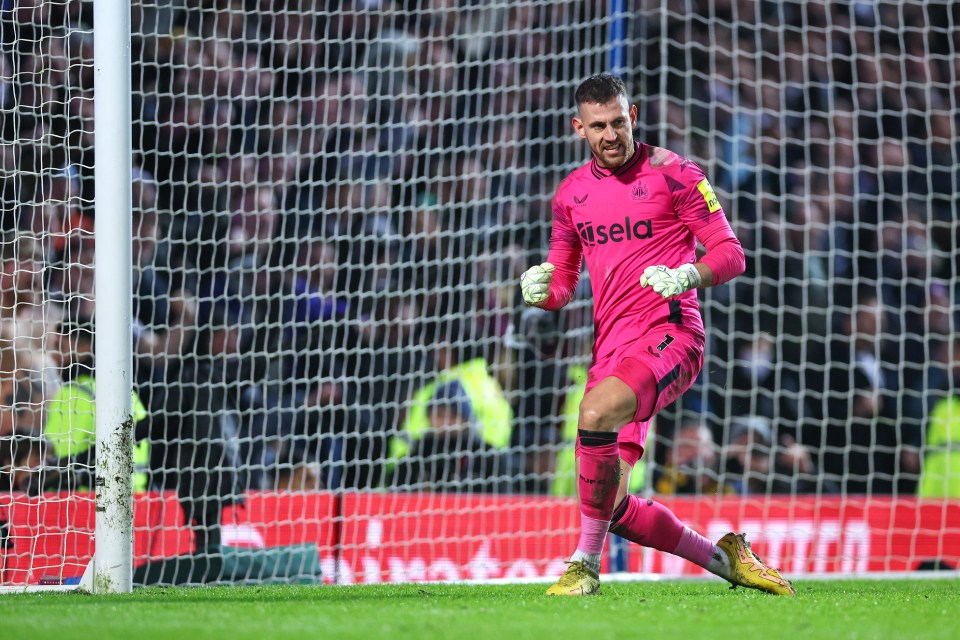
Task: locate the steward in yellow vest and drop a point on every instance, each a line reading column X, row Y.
column 940, row 475
column 492, row 413
column 70, row 421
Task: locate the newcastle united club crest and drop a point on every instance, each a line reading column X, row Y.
column 640, row 190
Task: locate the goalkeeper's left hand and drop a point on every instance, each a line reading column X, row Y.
column 670, row 282
column 535, row 283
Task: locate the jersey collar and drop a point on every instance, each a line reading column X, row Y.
column 599, row 172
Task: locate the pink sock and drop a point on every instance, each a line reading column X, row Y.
column 593, row 533
column 598, row 482
column 650, row 524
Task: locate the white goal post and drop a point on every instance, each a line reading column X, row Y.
column 113, row 234
column 110, row 570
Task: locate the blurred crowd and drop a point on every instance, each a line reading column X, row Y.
column 333, row 201
column 832, row 128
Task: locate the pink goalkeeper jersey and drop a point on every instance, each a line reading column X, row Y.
column 650, row 211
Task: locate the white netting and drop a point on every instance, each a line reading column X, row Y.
column 333, row 202
column 830, row 129
column 46, row 278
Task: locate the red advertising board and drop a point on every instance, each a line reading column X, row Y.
column 51, row 538
column 400, row 537
column 414, row 537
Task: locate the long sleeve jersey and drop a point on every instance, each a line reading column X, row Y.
column 650, row 211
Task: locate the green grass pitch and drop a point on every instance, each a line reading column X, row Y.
column 663, row 610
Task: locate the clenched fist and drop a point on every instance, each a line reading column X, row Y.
column 535, row 283
column 670, row 282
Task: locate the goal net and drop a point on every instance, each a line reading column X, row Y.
column 334, row 376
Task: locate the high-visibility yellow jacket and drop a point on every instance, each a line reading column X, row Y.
column 940, row 476
column 71, row 425
column 490, row 407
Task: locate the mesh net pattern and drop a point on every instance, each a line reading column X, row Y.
column 332, row 205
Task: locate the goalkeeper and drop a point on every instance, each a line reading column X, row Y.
column 635, row 213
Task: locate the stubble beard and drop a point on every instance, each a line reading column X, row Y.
column 628, row 151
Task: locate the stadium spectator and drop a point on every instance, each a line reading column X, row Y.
column 191, row 428
column 165, row 314
column 393, row 358
column 861, row 426
column 248, row 328
column 940, row 471
column 758, row 462
column 935, row 158
column 58, row 216
column 490, row 411
column 446, row 112
column 292, row 472
column 70, row 424
column 928, row 345
column 759, row 381
column 421, row 252
column 692, row 466
column 545, row 416
column 465, row 191
column 26, row 464
column 254, row 220
column 28, row 320
column 223, row 368
column 909, row 265
column 451, row 454
column 317, row 318
column 72, row 283
column 793, row 242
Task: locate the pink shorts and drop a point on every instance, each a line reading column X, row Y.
column 672, row 354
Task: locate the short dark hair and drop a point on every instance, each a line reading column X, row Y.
column 451, row 396
column 600, row 88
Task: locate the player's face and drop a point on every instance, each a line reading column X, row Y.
column 608, row 129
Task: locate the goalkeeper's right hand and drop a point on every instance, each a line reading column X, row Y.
column 535, row 283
